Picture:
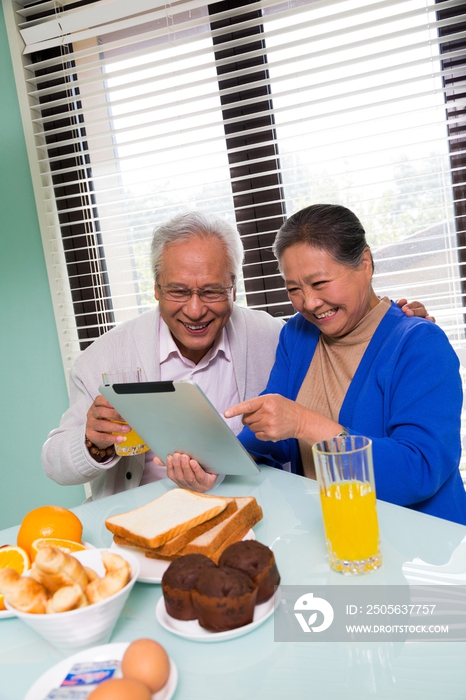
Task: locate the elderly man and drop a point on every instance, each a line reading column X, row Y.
column 196, row 332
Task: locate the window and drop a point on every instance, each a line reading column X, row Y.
column 251, row 110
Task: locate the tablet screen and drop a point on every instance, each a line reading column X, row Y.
column 178, row 417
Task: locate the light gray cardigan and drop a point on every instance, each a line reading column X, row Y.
column 253, row 337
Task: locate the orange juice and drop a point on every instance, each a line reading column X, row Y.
column 350, row 520
column 133, row 445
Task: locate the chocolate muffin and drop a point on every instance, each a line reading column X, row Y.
column 257, row 561
column 179, row 580
column 224, row 599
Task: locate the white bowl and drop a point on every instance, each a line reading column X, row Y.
column 93, row 625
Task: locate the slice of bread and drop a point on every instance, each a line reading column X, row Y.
column 235, row 536
column 176, row 543
column 232, row 529
column 169, row 515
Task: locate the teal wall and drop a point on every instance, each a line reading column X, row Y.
column 32, row 385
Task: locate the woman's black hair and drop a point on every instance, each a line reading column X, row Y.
column 331, row 227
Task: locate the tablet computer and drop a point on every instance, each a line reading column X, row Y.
column 178, row 417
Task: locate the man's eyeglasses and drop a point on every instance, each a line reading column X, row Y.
column 206, row 295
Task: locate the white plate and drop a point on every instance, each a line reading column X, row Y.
column 53, row 677
column 6, row 613
column 191, row 629
column 152, row 570
column 10, row 613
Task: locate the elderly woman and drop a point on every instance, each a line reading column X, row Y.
column 349, row 362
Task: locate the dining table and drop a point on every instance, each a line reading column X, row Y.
column 415, row 548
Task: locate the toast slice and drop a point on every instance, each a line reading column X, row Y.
column 236, row 536
column 232, row 529
column 169, row 515
column 179, row 541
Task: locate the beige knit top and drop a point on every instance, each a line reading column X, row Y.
column 331, row 371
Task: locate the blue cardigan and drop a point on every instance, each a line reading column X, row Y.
column 406, row 396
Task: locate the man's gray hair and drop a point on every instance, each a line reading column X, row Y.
column 197, row 224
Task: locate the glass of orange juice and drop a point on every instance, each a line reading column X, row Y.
column 345, row 473
column 133, row 445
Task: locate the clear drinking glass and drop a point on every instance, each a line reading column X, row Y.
column 345, row 474
column 133, row 445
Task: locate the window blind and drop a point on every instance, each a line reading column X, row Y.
column 136, row 111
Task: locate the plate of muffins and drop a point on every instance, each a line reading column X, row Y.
column 208, row 602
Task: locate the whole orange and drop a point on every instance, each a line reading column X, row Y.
column 48, row 521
